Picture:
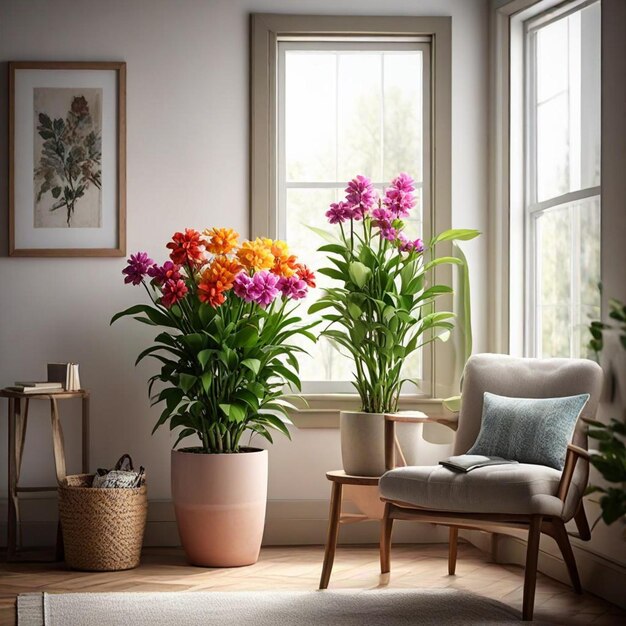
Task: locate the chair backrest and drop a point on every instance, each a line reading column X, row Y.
column 524, row 378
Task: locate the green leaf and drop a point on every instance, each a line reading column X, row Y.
column 253, row 365
column 464, row 234
column 247, row 337
column 133, row 310
column 206, row 379
column 332, row 273
column 319, row 305
column 359, row 273
column 204, row 356
column 186, row 432
column 324, row 234
column 187, row 381
column 441, row 261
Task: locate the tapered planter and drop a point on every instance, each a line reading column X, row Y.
column 220, row 501
column 363, row 442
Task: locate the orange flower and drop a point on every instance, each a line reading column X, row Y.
column 222, row 270
column 305, row 274
column 256, row 255
column 285, row 266
column 187, row 247
column 211, row 292
column 221, row 240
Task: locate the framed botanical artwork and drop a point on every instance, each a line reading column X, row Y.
column 67, row 159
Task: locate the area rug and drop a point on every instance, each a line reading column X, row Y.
column 263, row 608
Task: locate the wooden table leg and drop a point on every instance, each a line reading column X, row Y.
column 85, row 435
column 12, row 485
column 57, row 441
column 333, row 531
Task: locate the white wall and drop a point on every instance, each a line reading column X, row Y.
column 187, row 116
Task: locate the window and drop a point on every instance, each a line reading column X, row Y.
column 332, row 97
column 562, row 179
column 347, row 108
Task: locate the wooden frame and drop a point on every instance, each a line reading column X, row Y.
column 494, row 522
column 120, row 177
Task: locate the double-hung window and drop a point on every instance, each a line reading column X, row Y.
column 333, row 97
column 562, row 178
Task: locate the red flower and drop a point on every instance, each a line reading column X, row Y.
column 211, row 292
column 173, row 291
column 305, row 274
column 187, row 248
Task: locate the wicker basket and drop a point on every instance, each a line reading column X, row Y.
column 102, row 528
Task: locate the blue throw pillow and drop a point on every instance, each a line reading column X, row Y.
column 528, row 430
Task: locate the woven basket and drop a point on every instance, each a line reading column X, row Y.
column 102, row 528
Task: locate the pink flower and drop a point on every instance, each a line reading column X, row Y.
column 165, row 272
column 399, row 198
column 360, row 195
column 241, row 286
column 173, row 291
column 406, row 245
column 338, row 213
column 137, row 268
column 387, row 231
column 263, row 288
column 383, row 215
column 293, row 287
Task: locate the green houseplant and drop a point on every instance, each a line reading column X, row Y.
column 382, row 307
column 610, row 460
column 226, row 351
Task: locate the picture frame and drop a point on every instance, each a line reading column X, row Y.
column 67, row 159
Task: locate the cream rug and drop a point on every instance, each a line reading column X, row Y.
column 263, row 608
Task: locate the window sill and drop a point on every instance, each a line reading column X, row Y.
column 323, row 409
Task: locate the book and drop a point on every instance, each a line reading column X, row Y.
column 467, row 462
column 47, row 384
column 66, row 374
column 34, row 390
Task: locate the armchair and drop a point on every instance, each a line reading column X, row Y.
column 535, row 498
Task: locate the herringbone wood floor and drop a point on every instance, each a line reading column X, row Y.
column 285, row 568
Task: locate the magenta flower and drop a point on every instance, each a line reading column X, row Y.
column 399, row 197
column 263, row 288
column 173, row 291
column 293, row 287
column 137, row 268
column 241, row 286
column 338, row 213
column 165, row 272
column 406, row 245
column 382, row 215
column 361, row 196
column 387, row 231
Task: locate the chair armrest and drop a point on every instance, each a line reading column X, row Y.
column 571, row 458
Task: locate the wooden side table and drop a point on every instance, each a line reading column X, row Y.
column 339, row 478
column 18, row 420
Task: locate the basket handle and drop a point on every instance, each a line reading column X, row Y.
column 125, row 463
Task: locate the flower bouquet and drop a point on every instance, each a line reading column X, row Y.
column 226, row 310
column 382, row 308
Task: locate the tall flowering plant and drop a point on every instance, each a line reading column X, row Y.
column 381, row 309
column 226, row 349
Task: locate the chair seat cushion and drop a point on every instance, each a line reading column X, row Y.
column 517, row 488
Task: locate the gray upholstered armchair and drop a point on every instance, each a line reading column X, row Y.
column 532, row 497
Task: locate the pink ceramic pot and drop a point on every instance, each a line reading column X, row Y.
column 219, row 501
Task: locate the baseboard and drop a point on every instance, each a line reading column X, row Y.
column 598, row 574
column 287, row 522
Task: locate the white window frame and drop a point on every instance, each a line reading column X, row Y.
column 508, row 241
column 422, row 44
column 266, row 31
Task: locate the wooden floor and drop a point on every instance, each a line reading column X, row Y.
column 285, row 568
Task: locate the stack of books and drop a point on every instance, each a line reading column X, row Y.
column 37, row 387
column 66, row 374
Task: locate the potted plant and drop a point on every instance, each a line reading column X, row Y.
column 381, row 310
column 226, row 352
column 610, row 458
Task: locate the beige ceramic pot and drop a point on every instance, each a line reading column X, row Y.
column 363, row 442
column 219, row 501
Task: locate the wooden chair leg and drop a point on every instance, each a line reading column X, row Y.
column 386, row 527
column 530, row 573
column 559, row 534
column 452, row 549
column 333, row 531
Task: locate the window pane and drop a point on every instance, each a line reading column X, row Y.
column 568, row 273
column 567, row 104
column 310, row 120
column 346, row 111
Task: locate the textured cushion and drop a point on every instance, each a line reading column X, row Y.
column 528, row 430
column 519, row 488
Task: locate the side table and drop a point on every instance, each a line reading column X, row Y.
column 18, row 420
column 339, row 478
